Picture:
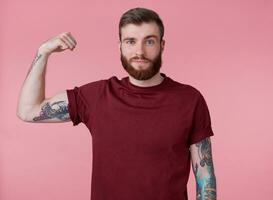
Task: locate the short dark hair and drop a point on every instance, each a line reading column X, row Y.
column 138, row 16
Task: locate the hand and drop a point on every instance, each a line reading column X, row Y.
column 58, row 43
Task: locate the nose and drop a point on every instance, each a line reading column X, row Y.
column 139, row 49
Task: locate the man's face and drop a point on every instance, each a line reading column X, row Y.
column 141, row 50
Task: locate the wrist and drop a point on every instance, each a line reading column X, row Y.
column 43, row 52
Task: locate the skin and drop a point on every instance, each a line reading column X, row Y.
column 32, row 105
column 53, row 110
column 36, row 59
column 141, row 42
column 203, row 169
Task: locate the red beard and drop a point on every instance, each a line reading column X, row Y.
column 143, row 74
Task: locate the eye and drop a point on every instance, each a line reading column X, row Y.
column 150, row 42
column 130, row 42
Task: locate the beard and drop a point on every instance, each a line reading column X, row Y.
column 142, row 74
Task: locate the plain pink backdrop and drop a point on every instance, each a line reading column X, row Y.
column 223, row 48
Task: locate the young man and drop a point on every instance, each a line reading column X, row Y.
column 146, row 128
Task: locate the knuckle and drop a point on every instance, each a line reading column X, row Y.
column 63, row 34
column 60, row 39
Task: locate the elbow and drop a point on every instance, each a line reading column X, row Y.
column 21, row 115
column 26, row 113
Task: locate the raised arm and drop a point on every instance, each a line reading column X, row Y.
column 202, row 165
column 32, row 105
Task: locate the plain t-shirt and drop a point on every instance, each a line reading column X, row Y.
column 141, row 136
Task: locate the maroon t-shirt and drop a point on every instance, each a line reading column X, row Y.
column 141, row 136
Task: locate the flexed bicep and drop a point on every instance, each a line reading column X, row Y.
column 54, row 109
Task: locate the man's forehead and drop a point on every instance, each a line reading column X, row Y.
column 140, row 31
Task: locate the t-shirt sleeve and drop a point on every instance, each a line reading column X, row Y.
column 82, row 102
column 201, row 125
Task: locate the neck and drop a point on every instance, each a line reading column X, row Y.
column 155, row 80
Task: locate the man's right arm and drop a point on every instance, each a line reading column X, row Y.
column 54, row 109
column 32, row 105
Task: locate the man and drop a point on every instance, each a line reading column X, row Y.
column 146, row 128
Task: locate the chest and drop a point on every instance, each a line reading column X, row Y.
column 149, row 127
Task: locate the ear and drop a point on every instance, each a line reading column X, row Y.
column 162, row 44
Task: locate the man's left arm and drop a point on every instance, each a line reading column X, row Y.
column 202, row 165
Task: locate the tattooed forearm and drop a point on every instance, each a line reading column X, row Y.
column 37, row 57
column 206, row 184
column 57, row 110
column 206, row 188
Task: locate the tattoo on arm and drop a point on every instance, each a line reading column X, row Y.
column 206, row 185
column 57, row 110
column 37, row 57
column 204, row 152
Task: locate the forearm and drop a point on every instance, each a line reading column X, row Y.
column 33, row 90
column 206, row 187
column 203, row 169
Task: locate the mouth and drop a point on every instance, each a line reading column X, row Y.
column 140, row 61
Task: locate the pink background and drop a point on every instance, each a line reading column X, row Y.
column 223, row 48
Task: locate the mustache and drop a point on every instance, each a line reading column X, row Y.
column 140, row 58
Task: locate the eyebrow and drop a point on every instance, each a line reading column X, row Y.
column 148, row 36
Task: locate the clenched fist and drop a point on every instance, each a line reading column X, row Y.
column 58, row 43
